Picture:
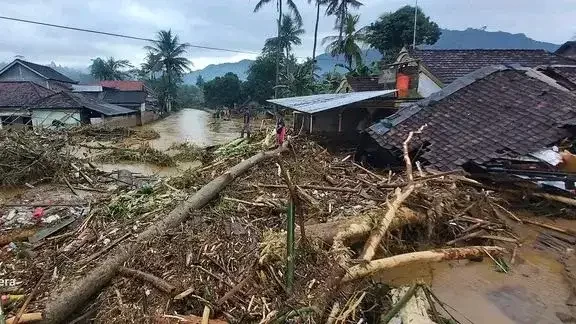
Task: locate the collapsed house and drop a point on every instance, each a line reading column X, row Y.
column 72, row 109
column 492, row 113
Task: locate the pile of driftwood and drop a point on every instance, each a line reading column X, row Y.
column 212, row 242
column 111, row 134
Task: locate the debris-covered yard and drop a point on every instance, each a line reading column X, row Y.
column 115, row 247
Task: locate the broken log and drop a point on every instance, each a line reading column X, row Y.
column 161, row 284
column 357, row 228
column 382, row 227
column 63, row 303
column 363, row 270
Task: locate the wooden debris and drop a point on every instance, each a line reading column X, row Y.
column 372, row 267
column 155, row 281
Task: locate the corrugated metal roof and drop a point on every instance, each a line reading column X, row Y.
column 321, row 102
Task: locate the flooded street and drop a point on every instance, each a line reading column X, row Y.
column 187, row 125
column 194, row 126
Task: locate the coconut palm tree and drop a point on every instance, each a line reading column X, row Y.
column 165, row 56
column 349, row 43
column 292, row 6
column 339, row 8
column 318, row 4
column 110, row 69
column 290, row 33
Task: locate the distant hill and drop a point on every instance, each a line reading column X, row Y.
column 451, row 39
column 214, row 70
column 477, row 38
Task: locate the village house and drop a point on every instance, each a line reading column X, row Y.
column 345, row 114
column 431, row 70
column 494, row 112
column 16, row 97
column 20, row 70
column 125, row 93
column 65, row 109
column 39, row 96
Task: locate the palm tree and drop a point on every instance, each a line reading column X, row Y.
column 165, row 56
column 339, row 8
column 294, row 9
column 348, row 43
column 318, row 3
column 290, row 33
column 110, row 69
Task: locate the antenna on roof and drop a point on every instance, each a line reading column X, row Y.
column 415, row 18
column 20, row 57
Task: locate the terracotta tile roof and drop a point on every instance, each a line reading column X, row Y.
column 123, row 85
column 494, row 112
column 71, row 100
column 448, row 65
column 365, row 84
column 16, row 94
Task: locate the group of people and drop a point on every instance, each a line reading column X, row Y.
column 280, row 126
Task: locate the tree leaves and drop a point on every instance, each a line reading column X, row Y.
column 392, row 31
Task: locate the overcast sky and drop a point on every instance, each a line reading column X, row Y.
column 232, row 24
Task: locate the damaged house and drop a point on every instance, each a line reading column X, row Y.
column 431, row 70
column 492, row 113
column 16, row 97
column 65, row 109
column 342, row 114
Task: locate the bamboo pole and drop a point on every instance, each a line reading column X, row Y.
column 290, row 248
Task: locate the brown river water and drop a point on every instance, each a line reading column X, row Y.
column 187, row 125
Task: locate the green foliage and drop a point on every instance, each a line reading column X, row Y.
column 110, row 69
column 349, row 43
column 297, row 80
column 259, row 85
column 189, row 95
column 223, row 91
column 291, row 5
column 392, row 31
column 290, row 33
column 340, row 9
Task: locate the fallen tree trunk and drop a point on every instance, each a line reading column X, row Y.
column 355, row 229
column 63, row 303
column 363, row 270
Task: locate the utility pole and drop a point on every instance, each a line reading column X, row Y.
column 415, row 18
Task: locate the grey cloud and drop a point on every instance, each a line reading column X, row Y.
column 231, row 24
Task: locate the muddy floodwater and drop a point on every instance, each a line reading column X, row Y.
column 534, row 290
column 194, row 126
column 187, row 125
